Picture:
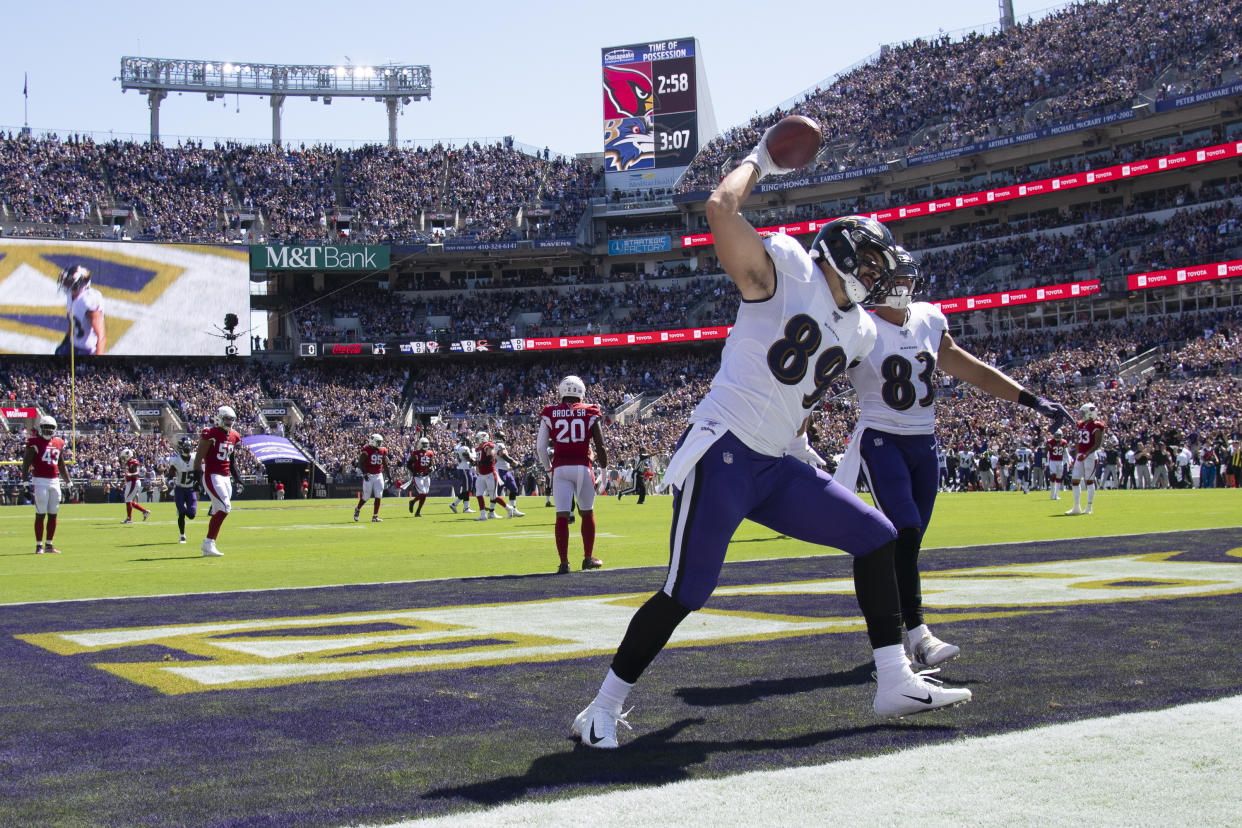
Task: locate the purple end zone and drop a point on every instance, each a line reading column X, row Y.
column 397, row 746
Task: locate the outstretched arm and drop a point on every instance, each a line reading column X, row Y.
column 962, row 364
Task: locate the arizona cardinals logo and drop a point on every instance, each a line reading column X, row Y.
column 628, row 145
column 627, row 92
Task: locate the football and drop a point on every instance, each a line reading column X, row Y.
column 793, row 141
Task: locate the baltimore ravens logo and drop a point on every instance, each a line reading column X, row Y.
column 628, row 144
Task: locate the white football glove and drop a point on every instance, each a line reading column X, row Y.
column 800, row 448
column 762, row 160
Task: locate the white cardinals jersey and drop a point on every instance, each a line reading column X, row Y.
column 783, row 353
column 894, row 382
column 88, row 301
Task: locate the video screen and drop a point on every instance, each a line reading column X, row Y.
column 122, row 298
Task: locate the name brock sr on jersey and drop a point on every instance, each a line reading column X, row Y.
column 571, row 412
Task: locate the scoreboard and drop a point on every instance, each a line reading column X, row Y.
column 651, row 112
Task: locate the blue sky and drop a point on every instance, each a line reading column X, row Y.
column 498, row 68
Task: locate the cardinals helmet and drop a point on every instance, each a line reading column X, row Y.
column 571, row 386
column 225, row 416
column 47, row 426
column 1089, row 411
column 376, row 440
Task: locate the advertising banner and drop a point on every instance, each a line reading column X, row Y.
column 1184, row 275
column 141, row 299
column 640, row 244
column 264, row 257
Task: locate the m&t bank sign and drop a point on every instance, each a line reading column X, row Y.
column 318, row 257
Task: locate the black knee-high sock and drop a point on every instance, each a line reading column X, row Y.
column 649, row 630
column 875, row 585
column 181, row 523
column 906, row 560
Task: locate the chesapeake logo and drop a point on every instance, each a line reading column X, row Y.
column 274, row 651
column 319, row 257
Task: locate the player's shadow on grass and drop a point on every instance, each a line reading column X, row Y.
column 650, row 759
column 763, row 688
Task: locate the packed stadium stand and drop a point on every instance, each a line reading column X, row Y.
column 1089, row 88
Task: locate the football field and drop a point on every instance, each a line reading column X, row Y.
column 328, row 673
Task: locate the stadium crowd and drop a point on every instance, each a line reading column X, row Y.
column 1190, row 398
column 926, row 95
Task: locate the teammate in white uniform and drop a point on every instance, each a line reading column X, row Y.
column 895, row 438
column 465, row 476
column 800, row 324
column 84, row 304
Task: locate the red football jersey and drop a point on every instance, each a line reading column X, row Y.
column 486, row 454
column 1056, row 449
column 374, row 464
column 47, row 456
column 1087, row 431
column 222, row 445
column 131, row 469
column 420, row 462
column 569, row 428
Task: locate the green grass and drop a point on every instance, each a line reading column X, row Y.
column 316, row 543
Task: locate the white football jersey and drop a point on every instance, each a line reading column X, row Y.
column 1024, row 458
column 894, row 382
column 184, row 469
column 465, row 456
column 783, row 353
column 501, row 463
column 84, row 338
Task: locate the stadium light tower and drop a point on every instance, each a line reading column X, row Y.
column 389, row 85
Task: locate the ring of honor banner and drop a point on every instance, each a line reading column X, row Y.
column 651, row 124
column 157, row 299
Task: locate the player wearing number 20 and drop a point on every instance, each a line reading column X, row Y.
column 799, row 325
column 895, row 434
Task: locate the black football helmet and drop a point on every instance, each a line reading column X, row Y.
column 908, row 274
column 73, row 278
column 185, row 446
column 840, row 243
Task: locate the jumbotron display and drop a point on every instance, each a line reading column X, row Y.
column 651, row 112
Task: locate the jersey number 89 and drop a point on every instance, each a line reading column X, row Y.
column 789, row 357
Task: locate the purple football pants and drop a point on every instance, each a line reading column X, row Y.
column 731, row 483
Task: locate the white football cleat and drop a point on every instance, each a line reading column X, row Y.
column 515, row 513
column 1074, row 511
column 209, row 549
column 930, row 651
column 597, row 727
column 453, row 506
column 482, row 516
column 1087, row 511
column 182, row 539
column 917, row 693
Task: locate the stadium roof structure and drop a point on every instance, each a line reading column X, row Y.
column 391, row 85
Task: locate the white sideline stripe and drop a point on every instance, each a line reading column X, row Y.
column 1177, row 766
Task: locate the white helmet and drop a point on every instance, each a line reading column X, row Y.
column 225, row 416
column 47, row 426
column 127, row 454
column 376, row 440
column 423, row 442
column 481, row 436
column 1089, row 411
column 572, row 386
